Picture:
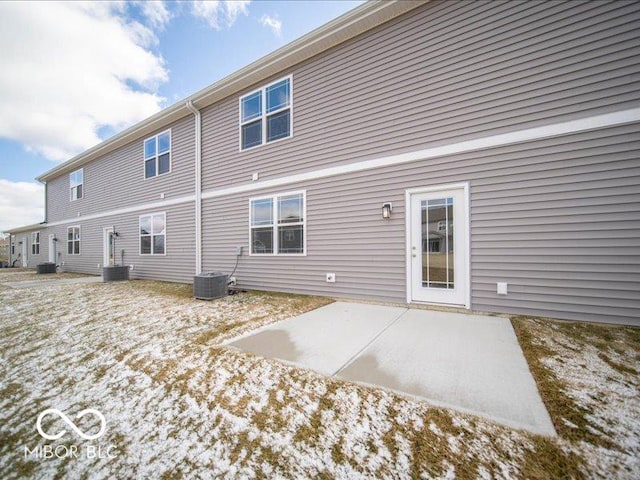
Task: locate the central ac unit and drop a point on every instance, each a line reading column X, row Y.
column 209, row 286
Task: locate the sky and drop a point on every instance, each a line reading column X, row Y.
column 76, row 73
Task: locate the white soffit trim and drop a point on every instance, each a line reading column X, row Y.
column 520, row 136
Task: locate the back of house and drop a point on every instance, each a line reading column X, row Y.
column 481, row 155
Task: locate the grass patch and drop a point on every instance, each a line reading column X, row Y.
column 548, row 460
column 620, row 368
column 156, row 287
column 569, row 419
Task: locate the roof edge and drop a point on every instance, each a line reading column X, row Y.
column 25, row 228
column 352, row 23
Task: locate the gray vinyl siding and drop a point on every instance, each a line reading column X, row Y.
column 117, row 179
column 442, row 73
column 178, row 265
column 558, row 219
column 32, row 260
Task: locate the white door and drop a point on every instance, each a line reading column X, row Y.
column 25, row 245
column 438, row 250
column 107, row 259
column 52, row 248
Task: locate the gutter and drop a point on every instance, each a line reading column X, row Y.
column 198, row 182
column 46, row 213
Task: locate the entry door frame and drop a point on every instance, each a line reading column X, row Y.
column 52, row 248
column 25, row 249
column 106, row 232
column 408, row 225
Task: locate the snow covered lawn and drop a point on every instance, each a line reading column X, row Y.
column 178, row 405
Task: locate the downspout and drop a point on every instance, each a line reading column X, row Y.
column 198, row 185
column 46, row 214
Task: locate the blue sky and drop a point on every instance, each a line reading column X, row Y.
column 76, row 73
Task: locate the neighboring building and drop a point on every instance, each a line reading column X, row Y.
column 4, row 250
column 504, row 134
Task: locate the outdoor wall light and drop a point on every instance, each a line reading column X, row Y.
column 387, row 208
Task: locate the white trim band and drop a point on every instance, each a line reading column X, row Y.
column 520, row 136
column 120, row 211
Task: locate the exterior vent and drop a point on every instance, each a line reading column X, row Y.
column 208, row 286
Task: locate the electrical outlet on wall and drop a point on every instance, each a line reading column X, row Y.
column 331, row 278
column 501, row 288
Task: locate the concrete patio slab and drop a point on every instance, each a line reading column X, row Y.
column 469, row 362
column 323, row 340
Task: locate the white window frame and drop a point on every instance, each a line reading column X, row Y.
column 73, row 187
column 275, row 226
column 35, row 242
column 152, row 254
column 144, row 158
column 71, row 241
column 264, row 115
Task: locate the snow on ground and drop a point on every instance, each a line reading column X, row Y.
column 177, row 404
column 601, row 373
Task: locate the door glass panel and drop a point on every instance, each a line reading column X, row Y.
column 110, row 247
column 437, row 243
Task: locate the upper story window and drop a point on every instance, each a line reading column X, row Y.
column 76, row 181
column 35, row 243
column 152, row 234
column 157, row 154
column 277, row 224
column 265, row 115
column 73, row 240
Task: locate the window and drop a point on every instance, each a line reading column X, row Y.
column 157, row 155
column 13, row 249
column 73, row 240
column 152, row 234
column 35, row 243
column 265, row 115
column 277, row 224
column 76, row 180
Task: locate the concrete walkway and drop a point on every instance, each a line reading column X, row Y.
column 53, row 282
column 471, row 363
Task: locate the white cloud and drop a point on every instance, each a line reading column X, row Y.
column 156, row 12
column 219, row 12
column 71, row 68
column 273, row 23
column 21, row 203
